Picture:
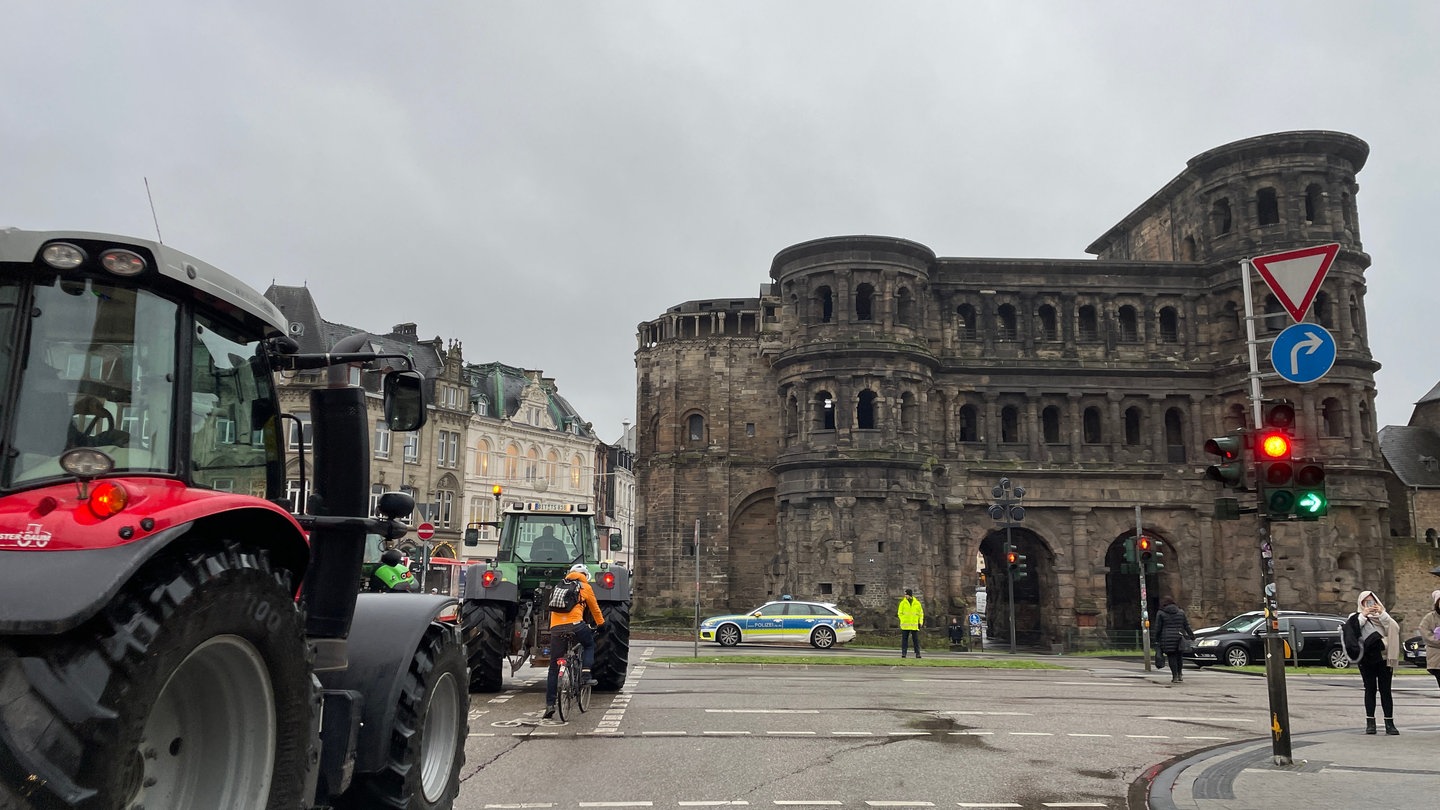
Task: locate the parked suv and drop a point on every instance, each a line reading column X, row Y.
column 1241, row 640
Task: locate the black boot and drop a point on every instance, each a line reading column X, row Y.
column 1390, row 727
column 1369, row 725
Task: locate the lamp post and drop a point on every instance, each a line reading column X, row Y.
column 1008, row 512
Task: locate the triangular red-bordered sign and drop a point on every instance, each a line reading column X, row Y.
column 1295, row 275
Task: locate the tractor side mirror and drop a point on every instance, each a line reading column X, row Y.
column 404, row 400
column 615, row 541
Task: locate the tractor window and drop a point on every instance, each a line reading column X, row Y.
column 553, row 539
column 97, row 370
column 232, row 413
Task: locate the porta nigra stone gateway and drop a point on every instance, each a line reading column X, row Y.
column 838, row 437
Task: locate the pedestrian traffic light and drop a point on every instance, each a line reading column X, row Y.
column 1130, row 549
column 1311, row 502
column 1016, row 561
column 1275, row 464
column 1148, row 550
column 1229, row 468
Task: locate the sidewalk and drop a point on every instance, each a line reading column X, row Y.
column 1342, row 768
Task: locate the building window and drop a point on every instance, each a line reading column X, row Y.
column 532, row 465
column 1332, row 418
column 412, row 448
column 512, row 463
column 825, row 303
column 1275, row 314
column 304, row 428
column 1129, row 325
column 1175, row 436
column 695, row 428
column 1267, row 207
column 859, row 589
column 1050, row 422
column 1005, row 325
column 376, row 490
column 1324, row 311
column 1088, row 323
column 1092, row 426
column 826, row 589
column 299, row 500
column 824, row 411
column 1313, row 197
column 865, row 411
column 965, row 322
column 1048, row 321
column 1132, row 426
column 454, row 449
column 1220, row 217
column 865, row 302
column 382, row 439
column 904, row 307
column 1010, row 424
column 482, row 457
column 446, row 501
column 1169, row 325
column 576, row 467
column 969, row 423
column 749, row 430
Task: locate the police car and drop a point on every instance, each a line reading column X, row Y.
column 820, row 624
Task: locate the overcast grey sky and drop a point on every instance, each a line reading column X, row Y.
column 535, row 179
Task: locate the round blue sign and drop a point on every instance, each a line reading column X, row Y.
column 1303, row 353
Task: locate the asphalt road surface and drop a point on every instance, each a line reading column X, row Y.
column 778, row 736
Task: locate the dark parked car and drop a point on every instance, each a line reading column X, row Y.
column 1241, row 640
column 1415, row 651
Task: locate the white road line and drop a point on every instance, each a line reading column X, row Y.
column 763, row 711
column 516, row 806
column 853, row 733
column 988, row 804
column 1207, row 738
column 995, row 714
column 970, row 733
column 806, row 803
column 907, row 734
column 1208, row 719
column 711, row 804
column 727, row 733
column 481, row 734
column 1148, row 736
column 617, row 804
column 898, row 804
column 790, row 733
column 1087, row 735
column 1031, row 734
column 1093, row 683
column 1073, row 804
column 662, row 734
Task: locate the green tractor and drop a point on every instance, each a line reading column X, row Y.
column 504, row 612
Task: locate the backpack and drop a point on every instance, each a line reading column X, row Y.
column 565, row 596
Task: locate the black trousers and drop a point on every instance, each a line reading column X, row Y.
column 909, row 636
column 1177, row 664
column 1377, row 679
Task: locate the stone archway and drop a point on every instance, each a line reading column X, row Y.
column 753, row 548
column 1034, row 593
column 1122, row 589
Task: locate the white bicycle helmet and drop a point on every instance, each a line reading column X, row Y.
column 579, row 568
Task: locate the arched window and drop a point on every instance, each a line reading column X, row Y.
column 865, row 302
column 1313, row 208
column 1275, row 315
column 1169, row 325
column 695, row 428
column 1175, row 436
column 908, row 412
column 1048, row 327
column 824, row 415
column 482, row 458
column 904, row 307
column 1229, row 321
column 1050, row 424
column 512, row 462
column 825, row 304
column 1133, row 423
column 1092, row 430
column 576, row 468
column 1129, row 324
column 532, row 464
column 1332, row 418
column 552, row 467
column 965, row 322
column 1324, row 310
column 1010, row 424
column 1355, row 314
column 1267, row 206
column 792, row 415
column 1188, row 250
column 969, row 423
column 1220, row 218
column 1005, row 322
column 1364, row 417
column 865, row 410
column 1088, row 323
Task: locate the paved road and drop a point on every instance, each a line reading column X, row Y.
column 690, row 735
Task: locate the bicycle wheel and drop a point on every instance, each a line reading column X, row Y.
column 582, row 689
column 565, row 691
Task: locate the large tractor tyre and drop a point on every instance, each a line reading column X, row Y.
column 192, row 688
column 612, row 648
column 427, row 742
column 486, row 628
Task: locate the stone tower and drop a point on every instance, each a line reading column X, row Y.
column 838, row 436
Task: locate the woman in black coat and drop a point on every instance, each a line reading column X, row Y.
column 1170, row 627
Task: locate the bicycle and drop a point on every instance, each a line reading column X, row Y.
column 570, row 691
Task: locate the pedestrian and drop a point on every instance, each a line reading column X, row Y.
column 912, row 617
column 1372, row 639
column 1171, row 627
column 1430, row 634
column 957, row 632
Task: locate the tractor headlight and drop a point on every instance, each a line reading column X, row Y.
column 62, row 255
column 122, row 262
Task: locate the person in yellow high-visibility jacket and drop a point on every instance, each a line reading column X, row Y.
column 912, row 617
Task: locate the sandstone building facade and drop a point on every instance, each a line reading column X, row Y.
column 839, row 435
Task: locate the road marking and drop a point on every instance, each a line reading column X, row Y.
column 617, row 804
column 1087, row 735
column 899, row 804
column 763, row 711
column 516, row 806
column 1148, row 736
column 1207, row 738
column 727, row 733
column 805, row 803
column 1095, row 683
column 971, row 733
column 1031, row 734
column 995, row 714
column 1207, row 719
column 1073, row 804
column 710, row 804
column 907, row 734
column 854, row 734
column 989, row 804
column 790, row 733
column 481, row 734
column 662, row 734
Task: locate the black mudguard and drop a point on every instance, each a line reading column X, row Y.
column 386, row 633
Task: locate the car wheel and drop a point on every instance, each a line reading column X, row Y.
column 728, row 635
column 1337, row 658
column 823, row 638
column 1237, row 656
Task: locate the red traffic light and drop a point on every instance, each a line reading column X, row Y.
column 1011, row 558
column 1273, row 445
column 1143, row 545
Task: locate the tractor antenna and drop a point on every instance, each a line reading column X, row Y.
column 153, row 217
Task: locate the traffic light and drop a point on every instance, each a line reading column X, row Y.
column 1148, row 550
column 1311, row 502
column 1229, row 468
column 1016, row 562
column 1275, row 463
column 1130, row 549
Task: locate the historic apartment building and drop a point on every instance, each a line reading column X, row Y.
column 839, row 436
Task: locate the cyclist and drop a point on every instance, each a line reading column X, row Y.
column 572, row 622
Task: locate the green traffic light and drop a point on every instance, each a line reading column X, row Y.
column 1311, row 504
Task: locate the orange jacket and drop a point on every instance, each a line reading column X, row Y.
column 577, row 613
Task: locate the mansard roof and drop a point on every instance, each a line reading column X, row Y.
column 1413, row 454
column 502, row 386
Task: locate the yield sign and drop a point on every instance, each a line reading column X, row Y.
column 1295, row 275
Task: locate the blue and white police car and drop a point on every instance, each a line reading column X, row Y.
column 820, row 624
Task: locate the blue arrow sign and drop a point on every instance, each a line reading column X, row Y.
column 1303, row 353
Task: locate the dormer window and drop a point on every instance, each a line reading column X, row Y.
column 1430, row 463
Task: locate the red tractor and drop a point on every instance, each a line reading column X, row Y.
column 171, row 635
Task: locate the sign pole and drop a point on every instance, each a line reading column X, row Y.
column 1144, row 596
column 697, row 587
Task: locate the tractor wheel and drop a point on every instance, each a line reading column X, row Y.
column 192, row 688
column 485, row 626
column 612, row 648
column 427, row 742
